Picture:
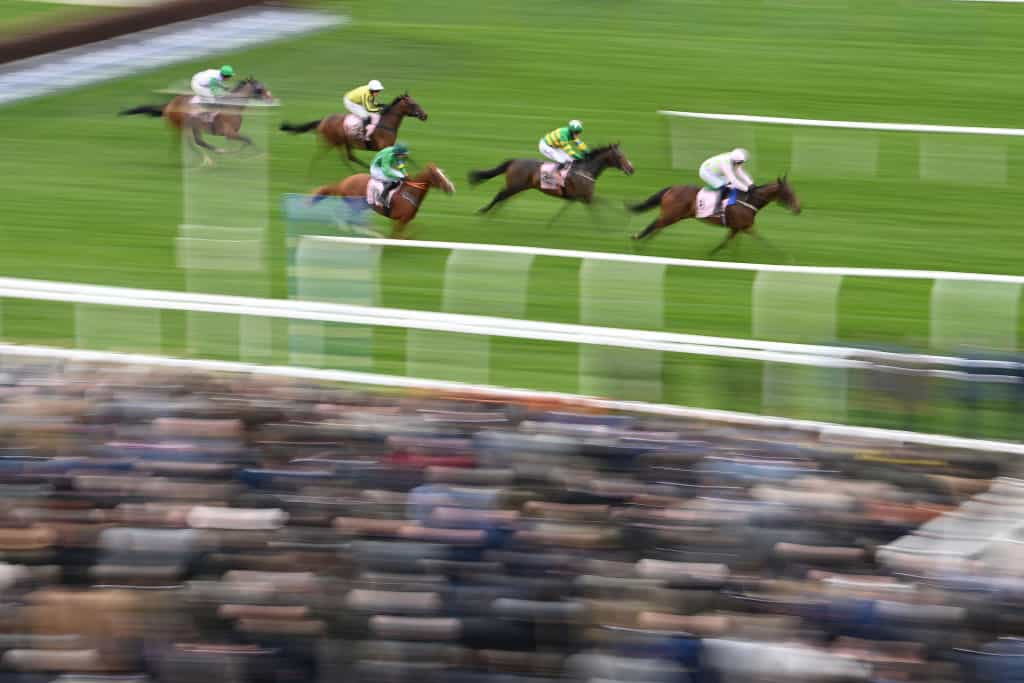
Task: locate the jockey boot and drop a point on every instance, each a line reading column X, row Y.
column 389, row 187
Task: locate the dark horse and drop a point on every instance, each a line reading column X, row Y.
column 679, row 202
column 331, row 129
column 225, row 119
column 524, row 174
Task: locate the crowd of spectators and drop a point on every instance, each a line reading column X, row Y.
column 190, row 528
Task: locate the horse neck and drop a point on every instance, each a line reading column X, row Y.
column 243, row 91
column 766, row 194
column 423, row 181
column 596, row 163
column 391, row 116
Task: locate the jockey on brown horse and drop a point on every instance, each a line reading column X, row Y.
column 730, row 199
column 350, row 130
column 575, row 184
column 400, row 205
column 221, row 116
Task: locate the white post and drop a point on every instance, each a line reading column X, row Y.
column 222, row 240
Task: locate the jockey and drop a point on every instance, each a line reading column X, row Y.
column 362, row 102
column 564, row 144
column 388, row 166
column 726, row 170
column 211, row 83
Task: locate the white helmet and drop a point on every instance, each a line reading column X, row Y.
column 375, row 85
column 738, row 155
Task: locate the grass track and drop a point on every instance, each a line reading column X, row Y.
column 92, row 197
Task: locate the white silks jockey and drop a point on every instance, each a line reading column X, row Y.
column 727, row 170
column 212, row 83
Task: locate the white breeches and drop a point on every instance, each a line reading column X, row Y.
column 550, row 152
column 360, row 111
column 713, row 180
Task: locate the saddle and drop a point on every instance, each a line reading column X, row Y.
column 553, row 176
column 376, row 197
column 714, row 202
column 355, row 128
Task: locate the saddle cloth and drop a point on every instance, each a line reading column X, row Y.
column 707, row 201
column 551, row 178
column 374, row 191
column 354, row 128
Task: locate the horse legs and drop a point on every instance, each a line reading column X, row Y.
column 558, row 214
column 654, row 226
column 235, row 135
column 398, row 231
column 721, row 245
column 352, row 158
column 322, row 151
column 779, row 252
column 203, row 146
column 500, row 197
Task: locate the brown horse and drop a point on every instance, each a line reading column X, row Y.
column 524, row 174
column 224, row 120
column 406, row 200
column 679, row 202
column 332, row 135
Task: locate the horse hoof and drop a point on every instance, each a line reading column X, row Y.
column 220, row 150
column 635, row 236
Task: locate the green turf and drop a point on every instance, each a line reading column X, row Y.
column 18, row 16
column 95, row 198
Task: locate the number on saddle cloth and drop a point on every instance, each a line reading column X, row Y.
column 552, row 177
column 375, row 195
column 355, row 128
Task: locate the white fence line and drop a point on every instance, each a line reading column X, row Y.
column 666, row 261
column 423, row 320
column 859, row 125
column 826, row 431
column 290, row 309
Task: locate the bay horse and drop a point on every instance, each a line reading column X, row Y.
column 331, row 129
column 679, row 202
column 405, row 201
column 524, row 174
column 225, row 120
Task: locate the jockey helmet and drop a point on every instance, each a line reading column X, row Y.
column 401, row 149
column 375, row 85
column 576, row 126
column 226, row 71
column 738, row 155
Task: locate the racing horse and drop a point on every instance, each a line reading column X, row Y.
column 331, row 129
column 679, row 202
column 406, row 200
column 225, row 120
column 525, row 174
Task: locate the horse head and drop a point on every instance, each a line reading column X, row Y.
column 407, row 106
column 251, row 88
column 616, row 158
column 787, row 195
column 439, row 179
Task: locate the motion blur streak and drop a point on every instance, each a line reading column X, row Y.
column 260, row 452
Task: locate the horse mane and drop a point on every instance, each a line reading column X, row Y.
column 599, row 150
column 395, row 101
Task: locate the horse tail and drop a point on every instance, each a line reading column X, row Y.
column 154, row 110
column 648, row 203
column 477, row 177
column 300, row 128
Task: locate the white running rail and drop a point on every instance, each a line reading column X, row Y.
column 858, row 125
column 754, row 350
